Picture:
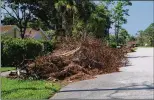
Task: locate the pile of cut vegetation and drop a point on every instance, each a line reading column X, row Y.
column 77, row 60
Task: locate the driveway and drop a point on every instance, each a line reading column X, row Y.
column 135, row 81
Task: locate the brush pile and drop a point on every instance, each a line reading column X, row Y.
column 77, row 60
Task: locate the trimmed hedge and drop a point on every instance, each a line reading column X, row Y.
column 15, row 50
column 48, row 46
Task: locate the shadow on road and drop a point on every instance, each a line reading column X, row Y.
column 147, row 87
column 138, row 56
column 133, row 86
column 131, row 57
column 128, row 64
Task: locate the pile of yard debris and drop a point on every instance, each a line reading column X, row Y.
column 77, row 60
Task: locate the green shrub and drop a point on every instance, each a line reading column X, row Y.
column 48, row 46
column 14, row 50
column 113, row 45
column 33, row 48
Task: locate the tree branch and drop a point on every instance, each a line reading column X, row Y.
column 9, row 12
column 15, row 12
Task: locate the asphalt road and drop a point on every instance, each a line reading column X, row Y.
column 135, row 81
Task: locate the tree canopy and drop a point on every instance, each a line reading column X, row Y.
column 76, row 17
column 146, row 36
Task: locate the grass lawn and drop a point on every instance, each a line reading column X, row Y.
column 27, row 89
column 4, row 69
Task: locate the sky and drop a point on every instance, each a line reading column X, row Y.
column 141, row 16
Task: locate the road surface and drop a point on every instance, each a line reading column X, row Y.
column 135, row 81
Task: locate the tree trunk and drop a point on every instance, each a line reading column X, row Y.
column 21, row 33
column 116, row 34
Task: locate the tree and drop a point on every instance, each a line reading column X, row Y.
column 141, row 38
column 8, row 21
column 76, row 17
column 66, row 10
column 119, row 14
column 123, row 36
column 146, row 36
column 21, row 14
column 99, row 22
column 61, row 14
column 149, row 33
column 132, row 38
column 36, row 24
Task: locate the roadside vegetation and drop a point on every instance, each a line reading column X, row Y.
column 80, row 45
column 27, row 89
column 145, row 38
